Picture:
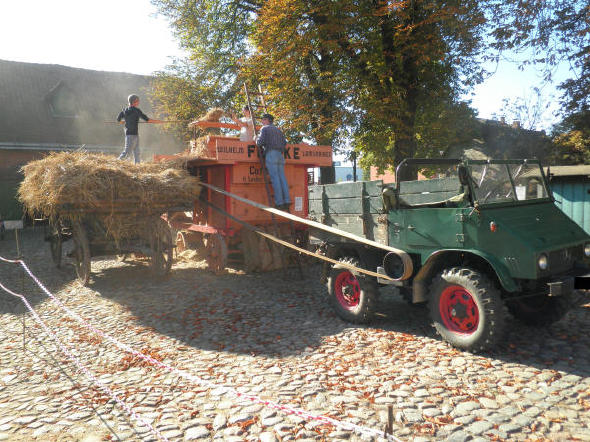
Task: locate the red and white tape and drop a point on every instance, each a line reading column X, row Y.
column 81, row 366
column 348, row 426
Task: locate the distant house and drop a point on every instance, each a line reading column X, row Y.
column 346, row 173
column 46, row 108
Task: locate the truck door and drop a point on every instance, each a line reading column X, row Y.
column 436, row 227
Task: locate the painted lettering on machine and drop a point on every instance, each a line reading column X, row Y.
column 303, row 154
column 247, row 174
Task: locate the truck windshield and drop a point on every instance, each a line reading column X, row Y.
column 495, row 183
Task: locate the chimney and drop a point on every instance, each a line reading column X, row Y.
column 516, row 124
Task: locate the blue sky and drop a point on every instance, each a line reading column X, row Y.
column 94, row 35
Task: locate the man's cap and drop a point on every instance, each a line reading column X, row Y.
column 132, row 98
column 269, row 117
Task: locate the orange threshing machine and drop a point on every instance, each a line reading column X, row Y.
column 235, row 166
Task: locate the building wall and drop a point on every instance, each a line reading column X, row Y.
column 572, row 196
column 10, row 177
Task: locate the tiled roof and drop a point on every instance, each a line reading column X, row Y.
column 578, row 170
column 41, row 103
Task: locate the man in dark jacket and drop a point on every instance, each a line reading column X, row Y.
column 273, row 141
column 131, row 115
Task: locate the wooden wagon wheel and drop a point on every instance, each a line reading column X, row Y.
column 55, row 243
column 162, row 249
column 81, row 253
column 181, row 242
column 216, row 252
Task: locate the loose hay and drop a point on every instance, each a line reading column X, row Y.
column 213, row 115
column 118, row 194
column 199, row 147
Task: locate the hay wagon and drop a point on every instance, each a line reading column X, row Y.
column 106, row 206
column 101, row 232
column 235, row 166
column 110, row 230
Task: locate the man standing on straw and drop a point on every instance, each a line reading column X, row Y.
column 131, row 115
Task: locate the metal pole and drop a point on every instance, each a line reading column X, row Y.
column 18, row 256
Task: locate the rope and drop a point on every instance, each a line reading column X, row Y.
column 407, row 261
column 79, row 364
column 211, row 385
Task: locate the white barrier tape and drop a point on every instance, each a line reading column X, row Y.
column 81, row 366
column 271, row 404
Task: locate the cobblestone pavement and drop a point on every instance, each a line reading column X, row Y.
column 273, row 336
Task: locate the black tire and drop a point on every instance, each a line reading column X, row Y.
column 466, row 309
column 352, row 296
column 540, row 310
column 81, row 253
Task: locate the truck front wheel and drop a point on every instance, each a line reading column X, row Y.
column 466, row 309
column 353, row 296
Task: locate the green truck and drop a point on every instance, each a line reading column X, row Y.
column 481, row 234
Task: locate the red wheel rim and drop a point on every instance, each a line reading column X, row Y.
column 458, row 310
column 348, row 290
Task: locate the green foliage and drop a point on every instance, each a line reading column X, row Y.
column 571, row 140
column 388, row 72
column 215, row 35
column 387, row 75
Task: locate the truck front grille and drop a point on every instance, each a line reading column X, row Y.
column 564, row 259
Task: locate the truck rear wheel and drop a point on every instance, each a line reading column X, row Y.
column 540, row 310
column 466, row 309
column 353, row 296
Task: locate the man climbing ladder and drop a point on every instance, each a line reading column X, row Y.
column 273, row 143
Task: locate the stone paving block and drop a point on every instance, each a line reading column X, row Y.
column 509, row 427
column 488, row 403
column 466, row 407
column 465, row 420
column 523, row 420
column 479, row 427
column 459, row 436
column 195, row 433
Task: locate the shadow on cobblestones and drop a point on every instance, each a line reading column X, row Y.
column 267, row 313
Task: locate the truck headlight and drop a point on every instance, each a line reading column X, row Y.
column 543, row 262
column 587, row 249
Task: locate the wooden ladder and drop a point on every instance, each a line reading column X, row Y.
column 255, row 107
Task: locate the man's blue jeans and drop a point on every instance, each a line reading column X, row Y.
column 275, row 164
column 131, row 145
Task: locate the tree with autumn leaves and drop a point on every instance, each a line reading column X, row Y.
column 384, row 76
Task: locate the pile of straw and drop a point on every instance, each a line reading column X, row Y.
column 70, row 185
